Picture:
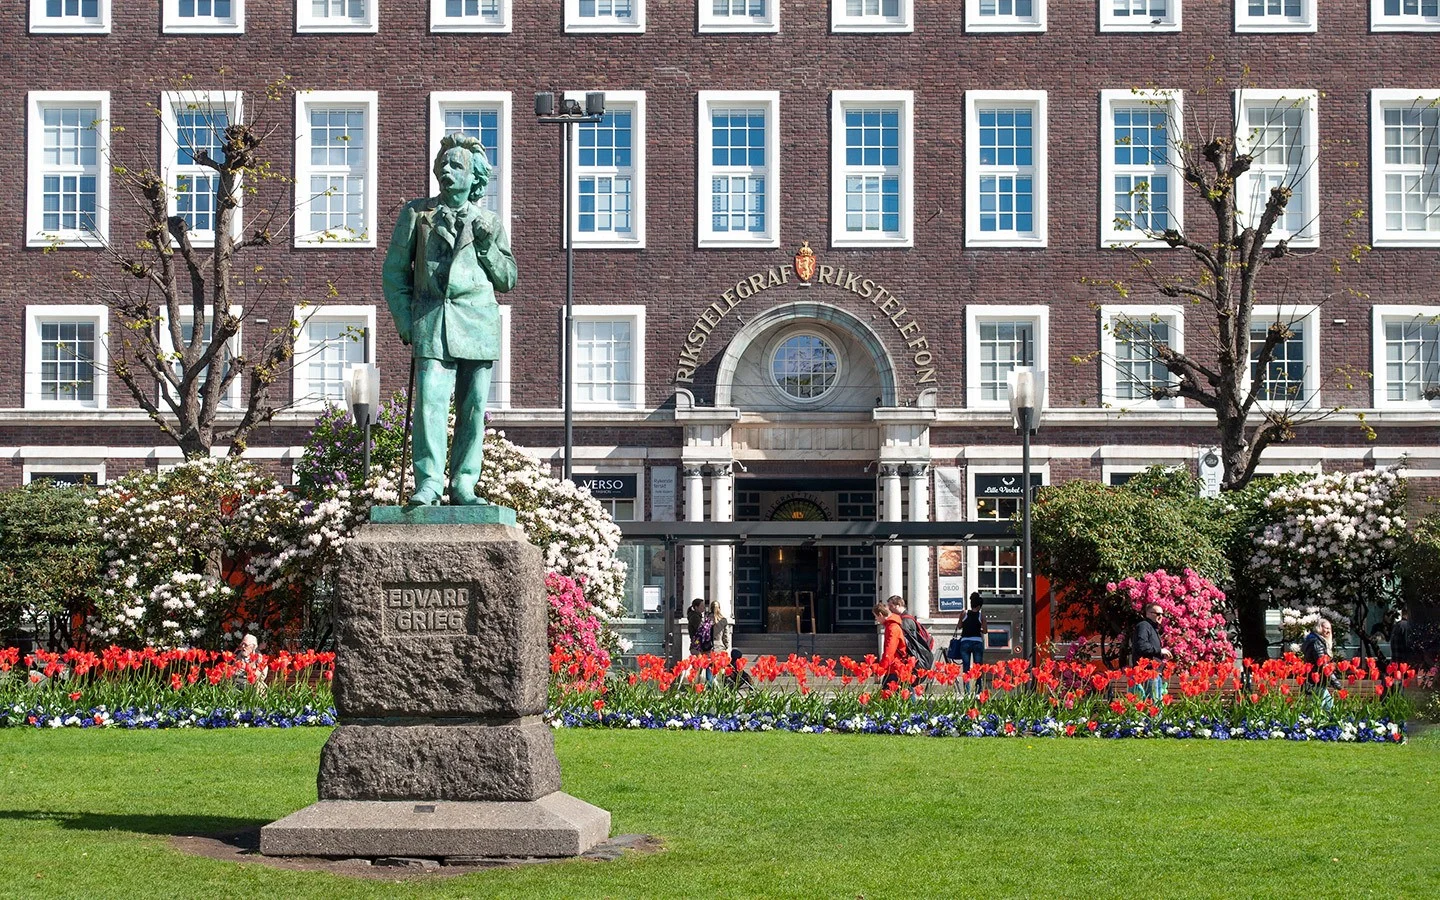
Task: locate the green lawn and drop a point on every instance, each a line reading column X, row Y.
column 86, row 814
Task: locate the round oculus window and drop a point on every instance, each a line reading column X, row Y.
column 805, row 367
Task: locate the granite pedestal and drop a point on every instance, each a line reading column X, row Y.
column 440, row 680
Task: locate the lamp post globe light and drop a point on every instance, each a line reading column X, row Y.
column 362, row 395
column 552, row 109
column 1027, row 399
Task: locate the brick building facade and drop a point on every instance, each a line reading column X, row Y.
column 953, row 166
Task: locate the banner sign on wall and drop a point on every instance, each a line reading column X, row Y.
column 610, row 487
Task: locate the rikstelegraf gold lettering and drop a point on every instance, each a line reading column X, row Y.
column 886, row 303
column 415, row 610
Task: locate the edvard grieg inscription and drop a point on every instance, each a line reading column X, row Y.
column 415, row 610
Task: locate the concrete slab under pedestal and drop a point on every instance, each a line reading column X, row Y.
column 556, row 825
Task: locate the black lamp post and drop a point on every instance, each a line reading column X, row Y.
column 570, row 112
column 1027, row 397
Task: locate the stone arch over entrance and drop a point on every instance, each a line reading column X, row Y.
column 868, row 371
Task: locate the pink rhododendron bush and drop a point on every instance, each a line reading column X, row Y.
column 576, row 625
column 1193, row 630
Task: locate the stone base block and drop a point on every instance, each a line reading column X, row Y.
column 439, row 762
column 556, row 825
column 477, row 514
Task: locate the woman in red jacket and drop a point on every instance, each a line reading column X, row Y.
column 894, row 648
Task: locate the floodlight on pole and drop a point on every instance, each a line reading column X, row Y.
column 570, row 112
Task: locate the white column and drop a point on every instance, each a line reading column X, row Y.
column 722, row 556
column 918, row 597
column 694, row 553
column 894, row 574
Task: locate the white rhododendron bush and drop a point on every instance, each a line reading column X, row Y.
column 214, row 548
column 572, row 529
column 1330, row 546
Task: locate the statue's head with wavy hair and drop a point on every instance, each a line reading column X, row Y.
column 479, row 164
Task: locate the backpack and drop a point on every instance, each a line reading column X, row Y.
column 918, row 641
column 705, row 634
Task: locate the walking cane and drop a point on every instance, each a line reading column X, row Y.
column 405, row 435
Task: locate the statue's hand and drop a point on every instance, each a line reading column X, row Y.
column 404, row 329
column 481, row 232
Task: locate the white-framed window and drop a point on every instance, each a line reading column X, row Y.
column 335, row 152
column 998, row 340
column 1405, row 168
column 231, row 397
column 609, row 171
column 500, row 377
column 81, row 471
column 872, row 15
column 1005, row 169
column 1004, row 15
column 204, row 16
column 805, row 366
column 65, row 356
column 1260, row 16
column 994, row 493
column 604, row 16
column 330, row 341
column 1278, row 129
column 1130, row 370
column 194, row 122
column 69, row 16
column 608, row 357
column 1140, row 166
column 872, row 168
column 470, row 15
column 485, row 116
column 1407, row 356
column 352, row 16
column 67, row 172
column 1139, row 15
column 1291, row 380
column 725, row 16
column 1405, row 15
column 739, row 169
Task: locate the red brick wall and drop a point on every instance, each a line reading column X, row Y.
column 937, row 278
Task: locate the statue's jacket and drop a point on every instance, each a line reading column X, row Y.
column 446, row 294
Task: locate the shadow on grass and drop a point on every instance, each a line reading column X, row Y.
column 173, row 826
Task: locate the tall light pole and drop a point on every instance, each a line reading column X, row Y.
column 570, row 112
column 362, row 393
column 1027, row 397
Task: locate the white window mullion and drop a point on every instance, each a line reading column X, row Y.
column 998, row 16
column 1406, row 356
column 730, row 16
column 999, row 339
column 1005, row 169
column 1278, row 129
column 1291, row 380
column 1405, row 15
column 69, row 16
column 1140, row 15
column 66, row 356
column 1130, row 368
column 608, row 172
column 204, row 16
column 608, row 357
column 347, row 16
column 872, row 16
column 330, row 341
column 872, row 168
column 738, row 186
column 1405, row 168
column 68, row 168
column 1140, row 167
column 335, row 168
column 492, row 16
column 1260, row 16
column 600, row 16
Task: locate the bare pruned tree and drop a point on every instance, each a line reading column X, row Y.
column 180, row 294
column 1253, row 175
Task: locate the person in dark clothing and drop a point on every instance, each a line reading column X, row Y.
column 972, row 634
column 1402, row 650
column 1145, row 643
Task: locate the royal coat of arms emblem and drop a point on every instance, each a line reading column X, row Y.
column 805, row 264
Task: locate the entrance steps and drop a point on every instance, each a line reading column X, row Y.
column 826, row 646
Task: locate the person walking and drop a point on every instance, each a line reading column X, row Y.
column 972, row 635
column 893, row 648
column 1145, row 644
column 719, row 630
column 694, row 614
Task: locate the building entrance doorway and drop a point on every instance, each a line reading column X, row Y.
column 828, row 589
